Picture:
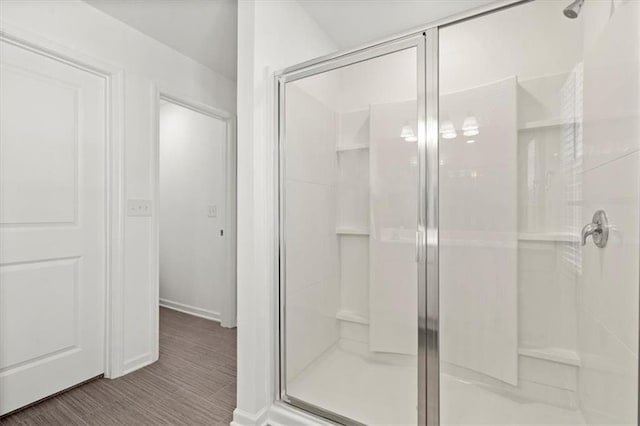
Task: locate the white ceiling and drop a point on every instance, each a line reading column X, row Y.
column 204, row 30
column 352, row 23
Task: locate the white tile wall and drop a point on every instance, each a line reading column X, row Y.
column 393, row 221
column 354, row 274
column 312, row 275
column 609, row 285
column 478, row 232
column 546, row 295
column 608, row 294
column 611, row 88
column 353, row 189
column 311, row 138
column 353, row 128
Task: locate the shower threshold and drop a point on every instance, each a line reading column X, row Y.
column 362, row 389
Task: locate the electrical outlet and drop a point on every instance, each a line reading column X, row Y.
column 139, row 208
column 212, row 210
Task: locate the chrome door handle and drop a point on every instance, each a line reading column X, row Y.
column 598, row 229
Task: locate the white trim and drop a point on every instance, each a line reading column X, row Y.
column 138, row 362
column 227, row 316
column 277, row 414
column 114, row 180
column 280, row 414
column 191, row 310
column 242, row 418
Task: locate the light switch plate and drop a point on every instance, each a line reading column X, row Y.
column 212, row 210
column 139, row 208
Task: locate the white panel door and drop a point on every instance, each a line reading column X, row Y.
column 52, row 226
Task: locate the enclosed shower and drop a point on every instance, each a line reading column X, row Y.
column 459, row 222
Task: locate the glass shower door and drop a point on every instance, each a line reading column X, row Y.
column 539, row 209
column 349, row 147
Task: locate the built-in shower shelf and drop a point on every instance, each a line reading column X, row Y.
column 542, row 124
column 562, row 356
column 352, row 147
column 562, row 237
column 352, row 231
column 350, row 316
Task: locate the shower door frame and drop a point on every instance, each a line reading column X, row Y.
column 425, row 40
column 422, row 42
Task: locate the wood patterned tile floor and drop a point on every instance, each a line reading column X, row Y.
column 193, row 383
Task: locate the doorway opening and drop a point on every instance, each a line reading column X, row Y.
column 195, row 242
column 195, row 228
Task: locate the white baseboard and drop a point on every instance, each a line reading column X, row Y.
column 137, row 363
column 243, row 418
column 191, row 310
column 277, row 414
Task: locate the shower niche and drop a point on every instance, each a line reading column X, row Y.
column 373, row 227
column 352, row 212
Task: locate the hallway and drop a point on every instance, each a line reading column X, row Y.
column 193, row 383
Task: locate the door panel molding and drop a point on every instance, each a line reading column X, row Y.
column 60, row 209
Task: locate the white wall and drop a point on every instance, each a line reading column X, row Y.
column 271, row 35
column 193, row 262
column 78, row 26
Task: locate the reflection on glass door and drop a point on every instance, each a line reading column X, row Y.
column 539, row 130
column 349, row 175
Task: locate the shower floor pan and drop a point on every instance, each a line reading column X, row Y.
column 378, row 393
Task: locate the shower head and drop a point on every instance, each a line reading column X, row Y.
column 573, row 10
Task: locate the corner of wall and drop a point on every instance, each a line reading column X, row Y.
column 262, row 29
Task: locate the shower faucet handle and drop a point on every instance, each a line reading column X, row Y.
column 598, row 229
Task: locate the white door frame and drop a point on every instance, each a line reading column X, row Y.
column 228, row 311
column 114, row 190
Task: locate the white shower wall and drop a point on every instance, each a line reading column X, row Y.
column 608, row 293
column 328, row 212
column 578, row 151
column 393, row 167
column 313, row 291
column 478, row 231
column 350, row 207
column 528, row 317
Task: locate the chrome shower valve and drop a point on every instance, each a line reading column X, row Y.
column 598, row 229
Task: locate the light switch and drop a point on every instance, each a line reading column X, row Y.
column 212, row 210
column 139, row 208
